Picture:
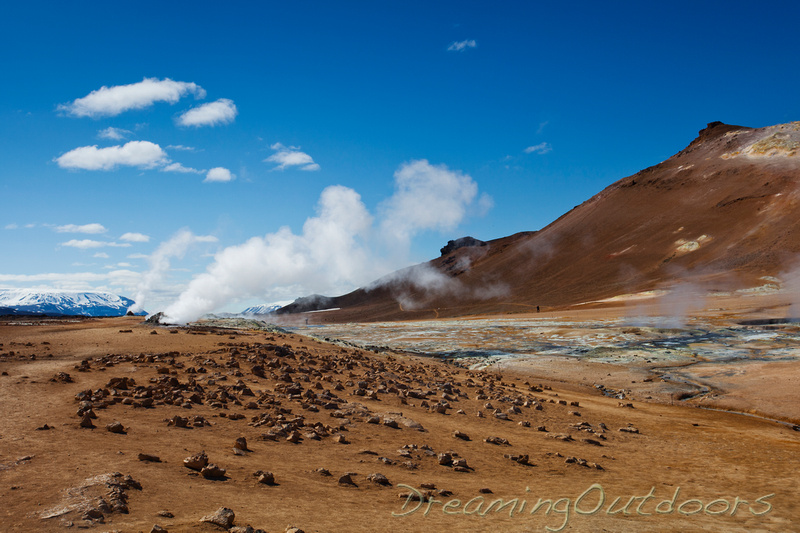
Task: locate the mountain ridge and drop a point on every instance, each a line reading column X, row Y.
column 720, row 213
column 63, row 303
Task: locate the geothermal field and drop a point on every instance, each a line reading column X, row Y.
column 579, row 420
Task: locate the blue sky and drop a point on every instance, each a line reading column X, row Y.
column 371, row 132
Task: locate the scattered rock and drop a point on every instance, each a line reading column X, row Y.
column 266, row 478
column 497, row 441
column 347, row 480
column 86, row 421
column 241, row 444
column 212, row 471
column 196, row 461
column 62, row 377
column 149, row 458
column 379, row 479
column 116, row 427
column 629, row 429
column 223, row 518
column 460, row 435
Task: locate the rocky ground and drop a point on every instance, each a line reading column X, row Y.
column 117, row 425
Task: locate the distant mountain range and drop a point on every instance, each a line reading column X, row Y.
column 265, row 309
column 63, row 303
column 721, row 214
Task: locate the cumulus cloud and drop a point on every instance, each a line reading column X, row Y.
column 339, row 249
column 142, row 154
column 541, row 148
column 177, row 167
column 135, row 237
column 111, row 101
column 86, row 228
column 160, row 261
column 427, row 197
column 101, row 255
column 290, row 156
column 223, row 111
column 114, row 134
column 85, row 244
column 460, row 46
column 219, row 174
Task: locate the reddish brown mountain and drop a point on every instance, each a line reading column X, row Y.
column 722, row 212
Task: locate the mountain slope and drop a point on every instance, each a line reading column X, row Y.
column 35, row 302
column 722, row 212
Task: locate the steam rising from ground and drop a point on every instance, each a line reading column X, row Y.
column 341, row 248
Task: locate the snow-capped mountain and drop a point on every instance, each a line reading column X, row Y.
column 32, row 301
column 264, row 309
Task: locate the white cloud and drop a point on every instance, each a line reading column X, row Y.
column 223, row 111
column 460, row 46
column 111, row 101
column 291, row 157
column 135, row 237
column 177, row 167
column 541, row 148
column 143, row 154
column 101, row 255
column 219, row 174
column 339, row 248
column 115, row 134
column 86, row 228
column 11, row 226
column 85, row 244
column 121, row 281
column 181, row 147
column 426, row 197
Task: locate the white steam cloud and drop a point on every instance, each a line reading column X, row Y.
column 160, row 260
column 337, row 250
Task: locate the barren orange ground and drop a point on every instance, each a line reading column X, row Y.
column 685, row 470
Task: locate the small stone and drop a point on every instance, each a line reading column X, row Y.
column 266, row 478
column 292, row 529
column 485, row 490
column 341, row 439
column 223, row 517
column 165, row 514
column 241, row 444
column 157, row 529
column 323, row 472
column 212, row 471
column 496, row 440
column 196, row 461
column 347, row 480
column 445, row 459
column 379, row 479
column 149, row 458
column 460, row 435
column 115, row 427
column 86, row 421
